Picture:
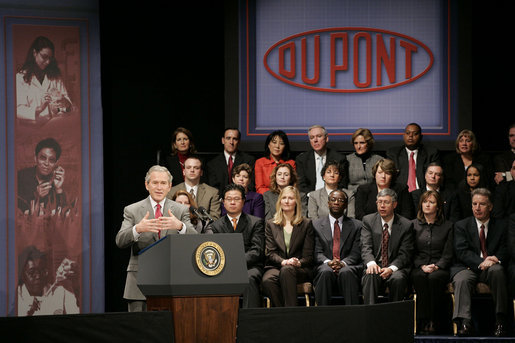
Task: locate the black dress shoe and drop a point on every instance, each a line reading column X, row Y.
column 500, row 330
column 465, row 330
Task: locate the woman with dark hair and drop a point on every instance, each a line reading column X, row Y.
column 289, row 242
column 385, row 174
column 283, row 175
column 184, row 197
column 318, row 200
column 254, row 203
column 474, row 178
column 467, row 152
column 182, row 147
column 277, row 151
column 362, row 160
column 432, row 260
column 40, row 91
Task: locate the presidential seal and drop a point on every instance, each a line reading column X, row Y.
column 210, row 258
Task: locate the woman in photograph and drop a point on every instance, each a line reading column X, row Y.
column 289, row 241
column 40, row 90
column 362, row 159
column 184, row 197
column 254, row 203
column 182, row 147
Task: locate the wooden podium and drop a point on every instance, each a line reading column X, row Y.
column 199, row 278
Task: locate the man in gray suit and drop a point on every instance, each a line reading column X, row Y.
column 204, row 195
column 387, row 245
column 337, row 252
column 145, row 222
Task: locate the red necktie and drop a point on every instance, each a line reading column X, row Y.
column 482, row 240
column 412, row 176
column 336, row 241
column 229, row 168
column 157, row 215
column 384, row 246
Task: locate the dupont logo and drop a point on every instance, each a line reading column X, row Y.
column 348, row 60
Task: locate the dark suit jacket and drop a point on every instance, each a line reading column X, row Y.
column 366, row 200
column 504, row 200
column 217, row 175
column 433, row 244
column 451, row 209
column 400, row 245
column 350, row 249
column 253, row 234
column 454, row 169
column 132, row 215
column 301, row 244
column 254, row 205
column 425, row 155
column 468, row 249
column 511, row 238
column 306, row 169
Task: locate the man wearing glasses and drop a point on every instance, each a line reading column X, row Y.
column 252, row 230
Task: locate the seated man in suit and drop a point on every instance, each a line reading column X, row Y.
column 219, row 169
column 145, row 222
column 434, row 182
column 309, row 164
column 412, row 158
column 480, row 248
column 504, row 160
column 511, row 243
column 204, row 195
column 387, row 246
column 252, row 229
column 504, row 196
column 337, row 252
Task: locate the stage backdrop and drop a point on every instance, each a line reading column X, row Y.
column 51, row 207
column 347, row 64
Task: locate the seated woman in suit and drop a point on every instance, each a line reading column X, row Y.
column 332, row 172
column 289, row 241
column 283, row 175
column 385, row 173
column 474, row 178
column 277, row 151
column 467, row 152
column 254, row 203
column 432, row 260
column 184, row 197
column 362, row 160
column 182, row 148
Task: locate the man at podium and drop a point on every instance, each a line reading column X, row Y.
column 252, row 230
column 145, row 222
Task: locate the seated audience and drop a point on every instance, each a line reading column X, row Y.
column 337, row 253
column 309, row 164
column 387, row 245
column 182, row 148
column 185, row 198
column 282, row 176
column 432, row 260
column 219, row 169
column 467, row 151
column 289, row 242
column 474, row 178
column 504, row 198
column 385, row 174
column 254, row 203
column 277, row 151
column 362, row 160
column 412, row 157
column 511, row 243
column 332, row 172
column 480, row 246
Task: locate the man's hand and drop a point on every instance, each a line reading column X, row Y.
column 385, row 273
column 170, row 223
column 148, row 225
column 488, row 262
column 373, row 269
column 59, row 179
column 335, row 265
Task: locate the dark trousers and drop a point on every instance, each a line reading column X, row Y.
column 346, row 282
column 373, row 285
column 430, row 289
column 280, row 285
column 251, row 294
column 464, row 283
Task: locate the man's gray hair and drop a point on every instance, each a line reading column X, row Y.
column 318, row 127
column 387, row 192
column 158, row 168
column 482, row 191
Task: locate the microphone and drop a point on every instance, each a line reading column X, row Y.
column 205, row 213
column 194, row 210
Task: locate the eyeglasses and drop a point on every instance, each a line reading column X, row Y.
column 233, row 199
column 340, row 200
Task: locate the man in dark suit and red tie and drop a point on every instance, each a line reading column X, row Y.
column 480, row 244
column 387, row 246
column 337, row 253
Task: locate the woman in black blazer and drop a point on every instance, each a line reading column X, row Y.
column 384, row 172
column 474, row 178
column 289, row 240
column 432, row 259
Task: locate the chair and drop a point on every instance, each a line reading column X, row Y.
column 304, row 289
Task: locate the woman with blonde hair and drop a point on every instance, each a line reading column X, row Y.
column 289, row 241
column 362, row 160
